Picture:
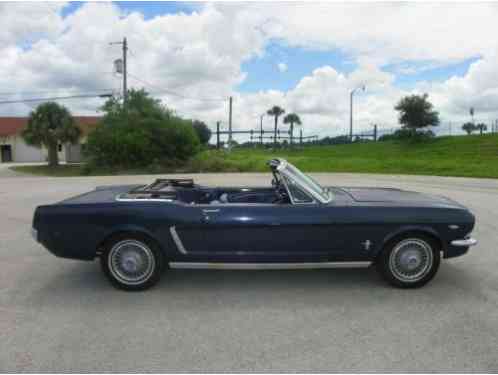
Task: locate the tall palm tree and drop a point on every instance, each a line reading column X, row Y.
column 50, row 125
column 275, row 111
column 292, row 119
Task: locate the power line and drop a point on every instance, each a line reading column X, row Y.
column 55, row 98
column 14, row 93
column 169, row 92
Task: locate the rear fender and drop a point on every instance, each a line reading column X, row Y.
column 133, row 229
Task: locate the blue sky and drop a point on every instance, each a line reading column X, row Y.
column 263, row 73
column 149, row 9
column 408, row 73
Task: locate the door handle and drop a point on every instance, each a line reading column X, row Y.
column 206, row 211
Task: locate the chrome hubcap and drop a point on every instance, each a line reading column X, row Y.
column 131, row 262
column 411, row 260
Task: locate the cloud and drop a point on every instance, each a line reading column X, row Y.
column 24, row 22
column 282, row 67
column 387, row 31
column 199, row 55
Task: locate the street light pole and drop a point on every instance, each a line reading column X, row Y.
column 351, row 111
column 230, row 124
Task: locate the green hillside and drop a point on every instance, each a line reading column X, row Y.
column 472, row 156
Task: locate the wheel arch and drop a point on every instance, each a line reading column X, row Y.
column 129, row 229
column 412, row 230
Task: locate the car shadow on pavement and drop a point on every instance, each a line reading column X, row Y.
column 85, row 286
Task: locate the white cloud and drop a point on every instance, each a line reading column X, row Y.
column 198, row 55
column 388, row 31
column 23, row 22
column 282, row 67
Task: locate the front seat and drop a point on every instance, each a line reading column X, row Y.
column 222, row 199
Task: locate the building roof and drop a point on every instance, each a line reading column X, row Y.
column 14, row 125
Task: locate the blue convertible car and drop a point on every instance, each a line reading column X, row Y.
column 139, row 231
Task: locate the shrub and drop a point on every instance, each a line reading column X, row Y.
column 407, row 134
column 140, row 135
column 141, row 143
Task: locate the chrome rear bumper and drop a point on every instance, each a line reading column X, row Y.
column 466, row 242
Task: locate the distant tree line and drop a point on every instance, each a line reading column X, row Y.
column 470, row 127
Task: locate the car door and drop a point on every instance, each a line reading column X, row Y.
column 270, row 232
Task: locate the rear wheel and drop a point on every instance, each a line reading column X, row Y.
column 132, row 262
column 410, row 261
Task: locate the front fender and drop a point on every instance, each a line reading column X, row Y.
column 406, row 229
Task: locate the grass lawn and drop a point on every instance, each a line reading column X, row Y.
column 45, row 170
column 74, row 170
column 469, row 156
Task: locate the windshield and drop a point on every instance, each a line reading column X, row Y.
column 308, row 183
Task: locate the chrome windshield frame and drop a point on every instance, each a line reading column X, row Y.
column 283, row 169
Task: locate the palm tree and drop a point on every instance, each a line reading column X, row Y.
column 50, row 125
column 292, row 119
column 275, row 111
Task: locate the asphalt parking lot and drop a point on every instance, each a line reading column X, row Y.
column 62, row 315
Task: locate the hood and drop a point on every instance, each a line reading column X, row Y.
column 397, row 196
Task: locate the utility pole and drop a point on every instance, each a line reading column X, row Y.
column 261, row 129
column 230, row 124
column 125, row 72
column 123, row 69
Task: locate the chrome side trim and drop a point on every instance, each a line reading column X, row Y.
column 178, row 241
column 120, row 198
column 466, row 242
column 268, row 266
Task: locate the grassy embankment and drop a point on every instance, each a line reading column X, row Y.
column 469, row 156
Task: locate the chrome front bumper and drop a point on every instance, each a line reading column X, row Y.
column 466, row 242
column 34, row 234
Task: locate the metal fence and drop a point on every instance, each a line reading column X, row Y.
column 266, row 137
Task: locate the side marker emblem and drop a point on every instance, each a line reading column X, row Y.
column 367, row 244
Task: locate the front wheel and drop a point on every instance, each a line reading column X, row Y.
column 409, row 262
column 132, row 262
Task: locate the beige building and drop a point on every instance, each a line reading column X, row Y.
column 14, row 149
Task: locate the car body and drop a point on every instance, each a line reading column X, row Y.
column 292, row 223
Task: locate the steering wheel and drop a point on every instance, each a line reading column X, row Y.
column 281, row 193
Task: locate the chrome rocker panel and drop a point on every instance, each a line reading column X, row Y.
column 268, row 266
